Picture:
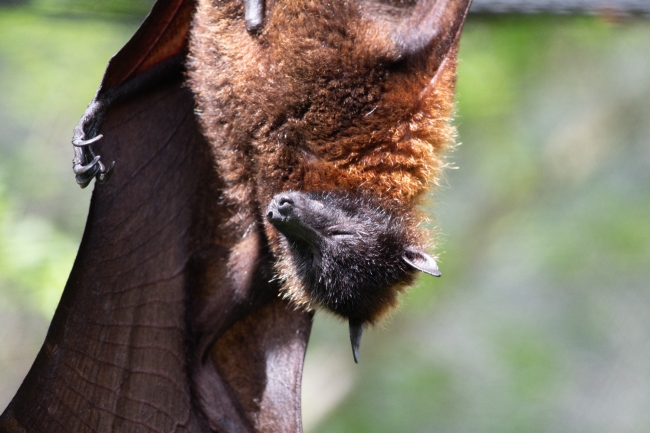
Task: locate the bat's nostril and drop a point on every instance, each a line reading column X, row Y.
column 285, row 206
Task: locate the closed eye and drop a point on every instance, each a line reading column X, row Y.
column 341, row 233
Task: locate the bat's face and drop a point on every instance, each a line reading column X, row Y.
column 329, row 97
column 350, row 255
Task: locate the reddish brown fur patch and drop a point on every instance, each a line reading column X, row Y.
column 313, row 103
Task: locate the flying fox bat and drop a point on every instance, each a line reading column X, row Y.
column 179, row 313
column 327, row 97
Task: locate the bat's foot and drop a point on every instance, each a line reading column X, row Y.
column 86, row 165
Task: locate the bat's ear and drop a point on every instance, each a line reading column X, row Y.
column 421, row 261
column 433, row 24
column 419, row 26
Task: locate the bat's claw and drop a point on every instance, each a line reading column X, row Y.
column 105, row 174
column 86, row 165
column 81, row 169
column 77, row 142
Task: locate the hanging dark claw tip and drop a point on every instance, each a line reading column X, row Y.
column 253, row 15
column 81, row 169
column 356, row 329
column 105, row 174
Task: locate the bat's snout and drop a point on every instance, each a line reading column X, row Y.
column 280, row 208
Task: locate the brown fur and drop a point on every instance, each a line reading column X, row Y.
column 314, row 103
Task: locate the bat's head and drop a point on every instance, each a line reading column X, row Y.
column 330, row 98
column 346, row 253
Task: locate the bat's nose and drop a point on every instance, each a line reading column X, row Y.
column 280, row 208
column 285, row 205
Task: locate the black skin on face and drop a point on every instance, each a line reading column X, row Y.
column 350, row 255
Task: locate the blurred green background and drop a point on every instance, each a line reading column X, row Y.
column 541, row 322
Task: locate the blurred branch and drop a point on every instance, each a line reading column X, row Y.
column 604, row 7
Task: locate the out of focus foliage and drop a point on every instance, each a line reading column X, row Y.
column 541, row 321
column 129, row 9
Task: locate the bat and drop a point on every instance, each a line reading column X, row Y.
column 173, row 316
column 348, row 98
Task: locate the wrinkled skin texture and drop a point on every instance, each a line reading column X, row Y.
column 167, row 322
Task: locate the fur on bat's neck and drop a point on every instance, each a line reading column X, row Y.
column 315, row 103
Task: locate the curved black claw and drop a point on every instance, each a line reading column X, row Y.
column 105, row 173
column 81, row 169
column 253, row 15
column 356, row 329
column 86, row 165
column 77, row 142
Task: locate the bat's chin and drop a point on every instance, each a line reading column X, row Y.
column 296, row 233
